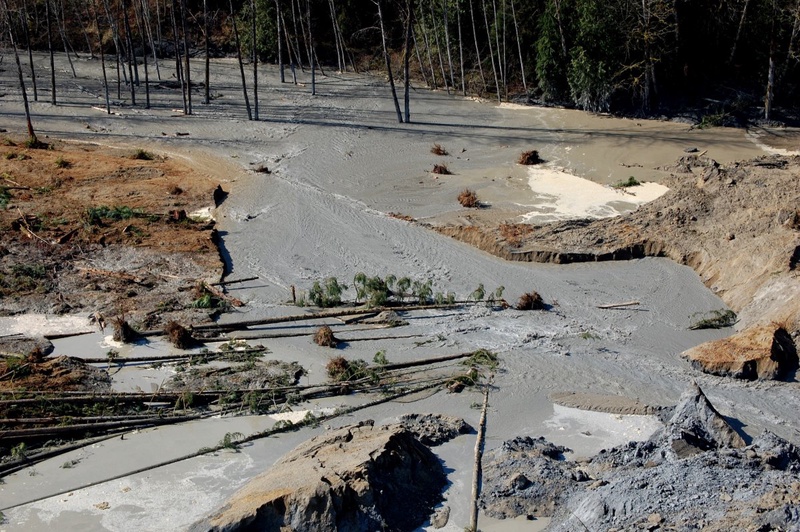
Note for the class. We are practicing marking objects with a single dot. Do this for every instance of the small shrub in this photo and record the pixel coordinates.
(467, 198)
(5, 141)
(142, 155)
(630, 182)
(529, 157)
(62, 163)
(175, 190)
(230, 441)
(340, 369)
(34, 143)
(530, 301)
(441, 169)
(179, 335)
(380, 358)
(327, 294)
(438, 149)
(19, 451)
(324, 337)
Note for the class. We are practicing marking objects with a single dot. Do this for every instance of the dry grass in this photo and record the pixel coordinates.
(468, 198)
(179, 336)
(530, 301)
(441, 169)
(529, 157)
(438, 149)
(514, 233)
(401, 216)
(324, 337)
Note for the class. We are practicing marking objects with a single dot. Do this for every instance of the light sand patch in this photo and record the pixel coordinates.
(44, 325)
(563, 196)
(586, 433)
(299, 415)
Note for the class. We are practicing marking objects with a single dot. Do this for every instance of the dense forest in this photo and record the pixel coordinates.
(729, 60)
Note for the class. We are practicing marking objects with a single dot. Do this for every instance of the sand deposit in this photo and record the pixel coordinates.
(339, 164)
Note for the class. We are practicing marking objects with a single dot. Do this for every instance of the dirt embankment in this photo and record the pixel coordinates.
(96, 229)
(737, 226)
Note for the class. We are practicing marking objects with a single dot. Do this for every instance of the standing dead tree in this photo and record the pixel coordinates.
(25, 26)
(254, 16)
(388, 63)
(96, 9)
(239, 57)
(32, 140)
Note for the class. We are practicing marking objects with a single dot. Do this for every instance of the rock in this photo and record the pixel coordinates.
(526, 476)
(435, 429)
(38, 346)
(349, 479)
(758, 352)
(696, 426)
(441, 517)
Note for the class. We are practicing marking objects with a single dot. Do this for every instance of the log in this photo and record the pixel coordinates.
(84, 427)
(225, 283)
(619, 305)
(221, 295)
(477, 475)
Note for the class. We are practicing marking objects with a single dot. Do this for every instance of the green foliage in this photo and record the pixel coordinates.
(716, 319)
(423, 292)
(19, 451)
(478, 294)
(630, 182)
(230, 441)
(550, 52)
(95, 215)
(380, 358)
(589, 81)
(18, 366)
(5, 197)
(328, 294)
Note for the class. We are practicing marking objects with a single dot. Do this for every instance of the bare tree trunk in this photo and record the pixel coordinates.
(419, 57)
(499, 55)
(139, 19)
(241, 64)
(519, 48)
(388, 64)
(306, 33)
(461, 51)
(206, 93)
(491, 52)
(187, 73)
(738, 30)
(50, 49)
(770, 84)
(423, 27)
(438, 47)
(557, 4)
(253, 14)
(339, 54)
(149, 29)
(30, 50)
(63, 31)
(447, 44)
(115, 36)
(102, 54)
(131, 56)
(289, 49)
(278, 29)
(311, 54)
(477, 47)
(32, 140)
(407, 59)
(178, 67)
(297, 53)
(83, 26)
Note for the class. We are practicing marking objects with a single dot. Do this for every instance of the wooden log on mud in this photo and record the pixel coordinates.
(216, 292)
(19, 434)
(235, 281)
(477, 472)
(619, 305)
